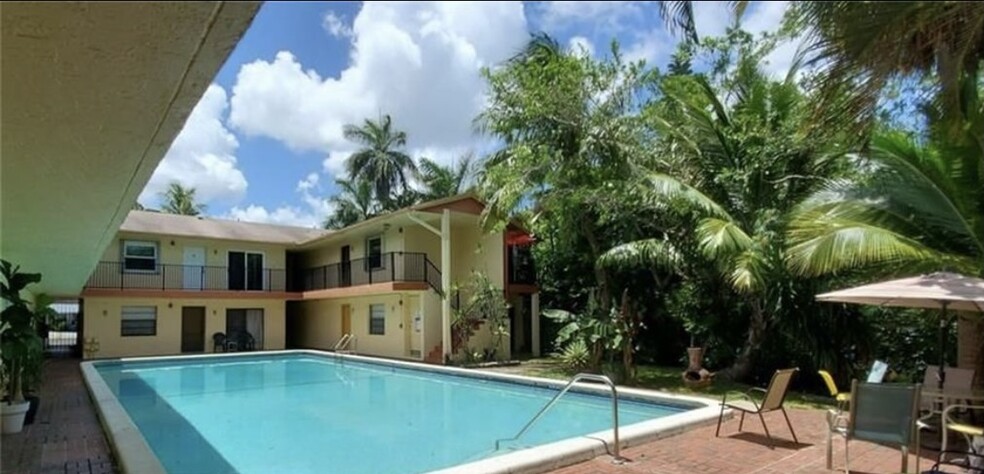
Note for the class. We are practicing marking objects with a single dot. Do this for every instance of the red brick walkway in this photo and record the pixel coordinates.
(66, 436)
(698, 451)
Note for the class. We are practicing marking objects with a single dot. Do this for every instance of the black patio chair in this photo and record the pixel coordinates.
(218, 342)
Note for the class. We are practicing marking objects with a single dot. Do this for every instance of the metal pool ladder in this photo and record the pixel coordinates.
(618, 459)
(343, 343)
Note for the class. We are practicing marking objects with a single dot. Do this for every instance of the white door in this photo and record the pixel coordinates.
(194, 268)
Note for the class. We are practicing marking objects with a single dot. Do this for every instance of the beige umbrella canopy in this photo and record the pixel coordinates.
(942, 290)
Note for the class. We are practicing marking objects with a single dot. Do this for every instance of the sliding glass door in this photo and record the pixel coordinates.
(245, 320)
(246, 271)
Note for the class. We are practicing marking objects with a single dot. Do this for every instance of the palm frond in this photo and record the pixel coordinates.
(719, 237)
(648, 253)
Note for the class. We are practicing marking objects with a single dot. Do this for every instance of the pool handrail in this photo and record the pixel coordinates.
(617, 457)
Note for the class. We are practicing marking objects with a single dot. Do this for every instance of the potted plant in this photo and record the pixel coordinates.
(20, 345)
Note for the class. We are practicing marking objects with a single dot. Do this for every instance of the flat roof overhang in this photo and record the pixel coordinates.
(91, 97)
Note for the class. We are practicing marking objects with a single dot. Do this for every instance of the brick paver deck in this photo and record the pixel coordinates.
(698, 451)
(67, 438)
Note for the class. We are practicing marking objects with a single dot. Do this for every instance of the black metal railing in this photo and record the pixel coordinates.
(186, 277)
(387, 267)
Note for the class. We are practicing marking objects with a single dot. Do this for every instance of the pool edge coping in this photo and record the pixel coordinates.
(125, 440)
(135, 455)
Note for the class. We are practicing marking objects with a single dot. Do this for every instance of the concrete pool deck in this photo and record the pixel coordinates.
(67, 438)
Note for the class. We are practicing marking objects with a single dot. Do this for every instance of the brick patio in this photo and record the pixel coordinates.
(67, 438)
(698, 451)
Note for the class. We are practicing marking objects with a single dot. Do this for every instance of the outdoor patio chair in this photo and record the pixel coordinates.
(957, 462)
(880, 413)
(842, 398)
(218, 342)
(772, 400)
(965, 427)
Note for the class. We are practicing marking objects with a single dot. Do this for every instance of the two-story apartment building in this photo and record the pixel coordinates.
(168, 284)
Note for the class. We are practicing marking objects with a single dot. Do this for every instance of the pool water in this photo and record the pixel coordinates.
(310, 414)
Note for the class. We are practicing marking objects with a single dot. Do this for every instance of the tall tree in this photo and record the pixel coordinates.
(442, 181)
(738, 153)
(181, 200)
(353, 203)
(568, 130)
(381, 160)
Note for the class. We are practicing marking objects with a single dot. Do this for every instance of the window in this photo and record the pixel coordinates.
(138, 321)
(246, 271)
(139, 256)
(374, 252)
(377, 319)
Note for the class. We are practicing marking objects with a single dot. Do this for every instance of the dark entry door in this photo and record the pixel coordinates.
(192, 329)
(345, 279)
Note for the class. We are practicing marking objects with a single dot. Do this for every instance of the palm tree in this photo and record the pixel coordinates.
(919, 207)
(181, 200)
(445, 181)
(865, 44)
(679, 17)
(353, 203)
(738, 156)
(380, 161)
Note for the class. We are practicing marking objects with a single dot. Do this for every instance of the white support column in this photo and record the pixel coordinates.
(446, 284)
(535, 323)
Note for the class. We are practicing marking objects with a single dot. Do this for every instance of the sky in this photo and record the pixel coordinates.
(265, 144)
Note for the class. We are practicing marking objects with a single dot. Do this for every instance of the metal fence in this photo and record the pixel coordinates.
(186, 277)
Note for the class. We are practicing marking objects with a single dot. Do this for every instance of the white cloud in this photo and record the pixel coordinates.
(608, 16)
(764, 16)
(418, 62)
(712, 18)
(581, 45)
(336, 25)
(285, 215)
(202, 156)
(309, 189)
(652, 47)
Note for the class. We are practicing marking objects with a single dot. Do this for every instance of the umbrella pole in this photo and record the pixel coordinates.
(944, 323)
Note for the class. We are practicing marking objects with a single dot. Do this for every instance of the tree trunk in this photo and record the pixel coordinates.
(757, 326)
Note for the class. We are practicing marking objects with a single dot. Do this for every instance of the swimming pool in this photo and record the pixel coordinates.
(306, 411)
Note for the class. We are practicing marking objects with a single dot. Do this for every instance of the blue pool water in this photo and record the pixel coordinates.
(310, 414)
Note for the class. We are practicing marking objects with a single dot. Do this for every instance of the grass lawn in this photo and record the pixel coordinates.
(666, 379)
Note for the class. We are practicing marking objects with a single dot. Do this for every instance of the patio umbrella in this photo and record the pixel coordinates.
(942, 290)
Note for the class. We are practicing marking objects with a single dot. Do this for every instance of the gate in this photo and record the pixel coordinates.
(61, 331)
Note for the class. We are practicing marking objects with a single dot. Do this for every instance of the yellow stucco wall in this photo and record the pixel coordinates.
(216, 251)
(320, 324)
(329, 250)
(102, 321)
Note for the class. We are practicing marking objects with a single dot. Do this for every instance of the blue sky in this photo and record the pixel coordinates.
(264, 143)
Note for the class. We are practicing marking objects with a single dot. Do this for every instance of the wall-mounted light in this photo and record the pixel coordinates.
(105, 313)
(170, 305)
(400, 230)
(401, 302)
(172, 243)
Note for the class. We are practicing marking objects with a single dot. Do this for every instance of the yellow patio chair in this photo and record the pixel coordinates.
(842, 398)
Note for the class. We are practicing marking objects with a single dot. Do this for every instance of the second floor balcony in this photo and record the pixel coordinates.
(381, 268)
(168, 277)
